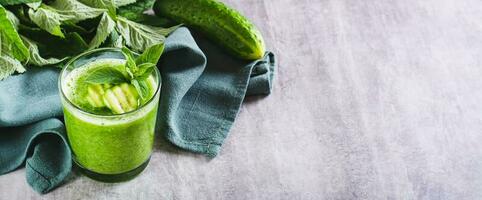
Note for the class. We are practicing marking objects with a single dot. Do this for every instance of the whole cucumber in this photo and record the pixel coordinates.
(222, 24)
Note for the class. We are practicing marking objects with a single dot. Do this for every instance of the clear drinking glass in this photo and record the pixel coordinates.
(114, 147)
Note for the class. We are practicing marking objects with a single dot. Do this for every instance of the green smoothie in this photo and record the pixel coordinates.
(109, 127)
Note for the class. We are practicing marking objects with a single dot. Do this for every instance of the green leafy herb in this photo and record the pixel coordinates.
(142, 67)
(9, 65)
(151, 55)
(156, 21)
(141, 87)
(21, 13)
(13, 19)
(41, 33)
(71, 45)
(106, 75)
(138, 36)
(10, 42)
(114, 40)
(145, 70)
(119, 42)
(146, 61)
(12, 49)
(135, 10)
(15, 2)
(131, 66)
(105, 4)
(71, 27)
(136, 70)
(35, 5)
(48, 20)
(35, 57)
(105, 28)
(119, 3)
(50, 17)
(76, 10)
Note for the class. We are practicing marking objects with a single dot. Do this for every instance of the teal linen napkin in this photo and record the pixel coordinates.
(199, 100)
(201, 94)
(42, 147)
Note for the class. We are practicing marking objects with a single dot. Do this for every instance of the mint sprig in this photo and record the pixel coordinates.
(136, 70)
(106, 75)
(140, 68)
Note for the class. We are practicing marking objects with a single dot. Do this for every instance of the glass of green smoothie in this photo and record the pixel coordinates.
(110, 128)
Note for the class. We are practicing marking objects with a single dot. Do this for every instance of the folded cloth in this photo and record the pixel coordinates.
(199, 100)
(202, 90)
(43, 148)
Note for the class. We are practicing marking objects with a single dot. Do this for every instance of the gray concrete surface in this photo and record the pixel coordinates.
(373, 100)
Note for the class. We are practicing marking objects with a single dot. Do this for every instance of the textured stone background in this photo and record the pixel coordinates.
(373, 100)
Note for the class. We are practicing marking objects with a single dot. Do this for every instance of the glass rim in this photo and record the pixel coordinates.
(158, 74)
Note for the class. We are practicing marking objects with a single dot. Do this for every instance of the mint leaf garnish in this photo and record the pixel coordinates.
(141, 88)
(141, 68)
(130, 66)
(151, 54)
(106, 75)
(145, 69)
